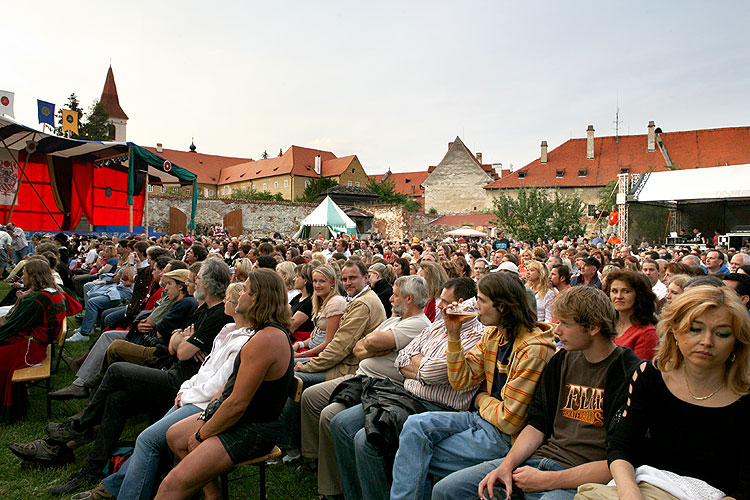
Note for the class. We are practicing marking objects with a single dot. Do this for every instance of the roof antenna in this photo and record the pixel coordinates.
(617, 120)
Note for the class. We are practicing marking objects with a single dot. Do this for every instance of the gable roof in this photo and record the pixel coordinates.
(109, 99)
(206, 167)
(458, 146)
(335, 166)
(408, 183)
(686, 149)
(295, 160)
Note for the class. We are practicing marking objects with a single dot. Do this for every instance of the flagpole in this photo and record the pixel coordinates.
(145, 207)
(130, 207)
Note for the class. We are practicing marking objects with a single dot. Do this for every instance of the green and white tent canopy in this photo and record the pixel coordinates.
(327, 219)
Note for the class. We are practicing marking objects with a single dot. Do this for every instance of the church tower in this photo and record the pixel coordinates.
(118, 120)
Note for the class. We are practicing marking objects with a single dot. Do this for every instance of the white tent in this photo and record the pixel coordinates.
(326, 219)
(466, 231)
(696, 185)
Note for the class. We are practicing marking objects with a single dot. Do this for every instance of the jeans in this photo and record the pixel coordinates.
(135, 480)
(18, 255)
(112, 317)
(291, 415)
(121, 395)
(93, 306)
(354, 454)
(462, 485)
(440, 443)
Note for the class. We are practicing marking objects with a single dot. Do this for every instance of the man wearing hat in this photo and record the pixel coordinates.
(588, 275)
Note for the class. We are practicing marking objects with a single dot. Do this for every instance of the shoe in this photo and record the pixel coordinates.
(291, 456)
(78, 336)
(70, 362)
(70, 392)
(98, 493)
(40, 451)
(77, 481)
(65, 432)
(79, 316)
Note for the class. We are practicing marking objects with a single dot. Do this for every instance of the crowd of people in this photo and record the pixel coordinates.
(579, 371)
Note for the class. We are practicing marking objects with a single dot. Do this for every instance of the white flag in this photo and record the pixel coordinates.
(6, 103)
(8, 178)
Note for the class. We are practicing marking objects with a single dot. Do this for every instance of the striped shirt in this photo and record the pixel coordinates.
(432, 377)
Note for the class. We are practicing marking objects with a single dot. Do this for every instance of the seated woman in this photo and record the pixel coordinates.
(30, 326)
(301, 304)
(685, 422)
(243, 422)
(435, 276)
(328, 307)
(378, 279)
(635, 303)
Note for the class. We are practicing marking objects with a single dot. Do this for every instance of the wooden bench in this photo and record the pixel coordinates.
(295, 394)
(42, 372)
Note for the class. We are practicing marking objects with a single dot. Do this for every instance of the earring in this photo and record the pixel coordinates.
(732, 358)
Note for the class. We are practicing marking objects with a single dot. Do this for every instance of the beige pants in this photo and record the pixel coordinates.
(316, 433)
(122, 350)
(593, 491)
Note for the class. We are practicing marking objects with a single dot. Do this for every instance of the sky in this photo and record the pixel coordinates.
(390, 81)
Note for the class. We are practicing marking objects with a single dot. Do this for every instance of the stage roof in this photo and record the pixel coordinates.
(699, 185)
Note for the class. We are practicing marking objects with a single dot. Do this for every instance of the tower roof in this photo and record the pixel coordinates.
(109, 98)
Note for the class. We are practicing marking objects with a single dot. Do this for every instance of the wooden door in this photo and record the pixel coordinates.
(177, 221)
(233, 223)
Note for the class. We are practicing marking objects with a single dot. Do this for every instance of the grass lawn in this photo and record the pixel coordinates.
(27, 484)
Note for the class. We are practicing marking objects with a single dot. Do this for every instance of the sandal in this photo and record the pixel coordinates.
(42, 452)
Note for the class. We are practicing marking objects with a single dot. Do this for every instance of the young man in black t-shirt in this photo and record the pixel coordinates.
(575, 404)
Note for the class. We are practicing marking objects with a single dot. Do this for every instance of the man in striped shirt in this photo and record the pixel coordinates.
(423, 364)
(507, 361)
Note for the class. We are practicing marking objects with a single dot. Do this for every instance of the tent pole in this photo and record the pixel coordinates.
(130, 207)
(145, 208)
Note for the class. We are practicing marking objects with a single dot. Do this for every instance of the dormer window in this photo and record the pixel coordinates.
(624, 170)
(521, 175)
(582, 173)
(559, 173)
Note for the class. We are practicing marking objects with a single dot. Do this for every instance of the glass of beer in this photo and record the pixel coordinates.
(463, 310)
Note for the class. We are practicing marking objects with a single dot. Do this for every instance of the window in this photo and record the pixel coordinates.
(276, 185)
(205, 191)
(624, 170)
(559, 173)
(307, 184)
(582, 173)
(187, 191)
(150, 188)
(265, 187)
(163, 189)
(352, 170)
(349, 183)
(521, 175)
(244, 188)
(592, 210)
(356, 184)
(286, 183)
(210, 192)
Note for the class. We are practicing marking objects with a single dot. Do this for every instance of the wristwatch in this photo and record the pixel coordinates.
(198, 436)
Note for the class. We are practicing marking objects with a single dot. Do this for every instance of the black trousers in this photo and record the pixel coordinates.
(127, 389)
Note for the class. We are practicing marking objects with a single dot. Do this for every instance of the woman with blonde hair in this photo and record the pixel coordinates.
(328, 307)
(685, 420)
(675, 286)
(537, 278)
(287, 272)
(435, 276)
(242, 269)
(523, 258)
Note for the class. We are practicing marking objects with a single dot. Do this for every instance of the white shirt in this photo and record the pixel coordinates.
(660, 290)
(216, 368)
(5, 240)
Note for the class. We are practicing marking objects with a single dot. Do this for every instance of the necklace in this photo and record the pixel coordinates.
(702, 398)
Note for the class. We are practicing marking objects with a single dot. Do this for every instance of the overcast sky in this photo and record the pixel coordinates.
(390, 81)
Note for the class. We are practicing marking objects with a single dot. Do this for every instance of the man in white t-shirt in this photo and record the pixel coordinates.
(377, 353)
(18, 242)
(651, 269)
(5, 244)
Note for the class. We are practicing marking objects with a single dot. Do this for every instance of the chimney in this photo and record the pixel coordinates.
(318, 165)
(651, 136)
(479, 157)
(498, 168)
(160, 149)
(590, 142)
(450, 144)
(543, 159)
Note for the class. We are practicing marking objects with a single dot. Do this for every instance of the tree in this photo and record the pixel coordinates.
(433, 210)
(257, 196)
(386, 190)
(316, 187)
(92, 127)
(535, 215)
(264, 156)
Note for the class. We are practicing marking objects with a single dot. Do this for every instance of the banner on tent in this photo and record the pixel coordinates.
(8, 178)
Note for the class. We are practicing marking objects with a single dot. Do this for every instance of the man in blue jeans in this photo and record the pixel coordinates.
(574, 406)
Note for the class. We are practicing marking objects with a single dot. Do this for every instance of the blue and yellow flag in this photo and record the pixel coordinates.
(46, 112)
(70, 121)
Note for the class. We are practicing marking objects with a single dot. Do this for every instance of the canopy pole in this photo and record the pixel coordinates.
(145, 208)
(130, 207)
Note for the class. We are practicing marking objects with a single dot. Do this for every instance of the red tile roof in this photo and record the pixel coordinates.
(206, 167)
(336, 166)
(296, 160)
(466, 220)
(689, 149)
(408, 183)
(109, 97)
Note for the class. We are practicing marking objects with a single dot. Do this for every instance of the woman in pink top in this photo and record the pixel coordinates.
(635, 303)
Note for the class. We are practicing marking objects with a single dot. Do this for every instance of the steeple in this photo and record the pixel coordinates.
(111, 102)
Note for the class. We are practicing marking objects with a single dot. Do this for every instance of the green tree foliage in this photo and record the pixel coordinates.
(243, 194)
(605, 203)
(433, 210)
(387, 192)
(536, 214)
(316, 187)
(91, 127)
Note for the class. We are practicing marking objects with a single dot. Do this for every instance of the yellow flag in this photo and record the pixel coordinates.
(70, 121)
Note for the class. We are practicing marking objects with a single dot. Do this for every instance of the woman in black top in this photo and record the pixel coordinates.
(243, 422)
(688, 411)
(301, 304)
(377, 277)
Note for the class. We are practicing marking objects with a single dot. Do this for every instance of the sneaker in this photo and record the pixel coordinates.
(65, 432)
(291, 456)
(77, 481)
(98, 493)
(78, 336)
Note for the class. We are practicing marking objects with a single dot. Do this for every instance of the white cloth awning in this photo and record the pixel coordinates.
(697, 185)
